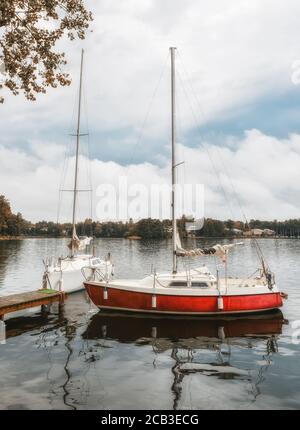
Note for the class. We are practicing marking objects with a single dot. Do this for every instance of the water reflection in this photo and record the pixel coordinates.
(189, 339)
(86, 360)
(54, 330)
(133, 328)
(96, 361)
(9, 251)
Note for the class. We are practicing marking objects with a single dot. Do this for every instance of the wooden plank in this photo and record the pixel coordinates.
(17, 302)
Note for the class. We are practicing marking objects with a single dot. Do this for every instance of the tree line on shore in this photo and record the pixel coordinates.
(13, 225)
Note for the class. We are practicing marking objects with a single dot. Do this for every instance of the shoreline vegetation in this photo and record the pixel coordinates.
(137, 238)
(15, 227)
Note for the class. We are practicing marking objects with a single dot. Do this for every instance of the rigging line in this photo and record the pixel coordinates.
(258, 248)
(90, 195)
(84, 154)
(145, 120)
(218, 149)
(62, 179)
(58, 207)
(228, 177)
(198, 127)
(204, 118)
(68, 213)
(90, 181)
(190, 84)
(180, 173)
(65, 161)
(89, 172)
(232, 185)
(88, 156)
(206, 148)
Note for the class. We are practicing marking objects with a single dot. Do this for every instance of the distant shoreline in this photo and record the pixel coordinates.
(137, 238)
(11, 238)
(3, 238)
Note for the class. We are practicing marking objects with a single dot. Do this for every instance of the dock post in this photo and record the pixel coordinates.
(62, 297)
(61, 302)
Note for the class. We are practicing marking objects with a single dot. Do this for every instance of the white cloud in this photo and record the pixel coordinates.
(235, 52)
(264, 174)
(53, 153)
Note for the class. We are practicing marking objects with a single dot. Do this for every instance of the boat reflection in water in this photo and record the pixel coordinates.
(129, 328)
(189, 340)
(105, 360)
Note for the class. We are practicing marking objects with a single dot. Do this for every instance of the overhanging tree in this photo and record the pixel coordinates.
(29, 32)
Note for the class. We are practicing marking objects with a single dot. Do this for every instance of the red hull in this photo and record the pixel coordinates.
(142, 302)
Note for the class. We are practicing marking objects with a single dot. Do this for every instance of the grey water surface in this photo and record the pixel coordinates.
(74, 357)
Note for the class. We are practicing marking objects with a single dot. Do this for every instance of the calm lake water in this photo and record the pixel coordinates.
(74, 357)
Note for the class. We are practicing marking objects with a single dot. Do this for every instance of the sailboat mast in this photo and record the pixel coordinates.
(173, 121)
(77, 157)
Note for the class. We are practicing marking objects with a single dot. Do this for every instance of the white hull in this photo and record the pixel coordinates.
(69, 274)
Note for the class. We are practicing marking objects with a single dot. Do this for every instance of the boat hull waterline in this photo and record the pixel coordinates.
(108, 298)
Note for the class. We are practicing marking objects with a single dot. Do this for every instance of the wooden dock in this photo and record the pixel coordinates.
(18, 302)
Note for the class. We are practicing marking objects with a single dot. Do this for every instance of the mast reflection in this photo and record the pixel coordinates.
(187, 339)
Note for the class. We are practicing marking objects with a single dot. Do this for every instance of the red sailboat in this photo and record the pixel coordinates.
(189, 292)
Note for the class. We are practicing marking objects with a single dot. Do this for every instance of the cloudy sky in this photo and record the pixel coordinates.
(238, 105)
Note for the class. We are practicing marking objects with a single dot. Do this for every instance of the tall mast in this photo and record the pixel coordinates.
(77, 157)
(173, 120)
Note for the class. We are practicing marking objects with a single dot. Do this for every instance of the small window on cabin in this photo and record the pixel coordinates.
(178, 284)
(200, 284)
(95, 261)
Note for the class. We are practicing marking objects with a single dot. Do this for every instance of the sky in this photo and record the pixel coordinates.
(238, 109)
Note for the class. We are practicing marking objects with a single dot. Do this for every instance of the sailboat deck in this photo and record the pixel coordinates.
(167, 286)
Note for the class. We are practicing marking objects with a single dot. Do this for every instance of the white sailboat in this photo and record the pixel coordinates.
(193, 291)
(67, 274)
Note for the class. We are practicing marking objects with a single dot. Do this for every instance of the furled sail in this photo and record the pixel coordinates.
(79, 244)
(217, 250)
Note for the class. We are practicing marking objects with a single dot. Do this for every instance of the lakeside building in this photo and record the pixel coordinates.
(257, 232)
